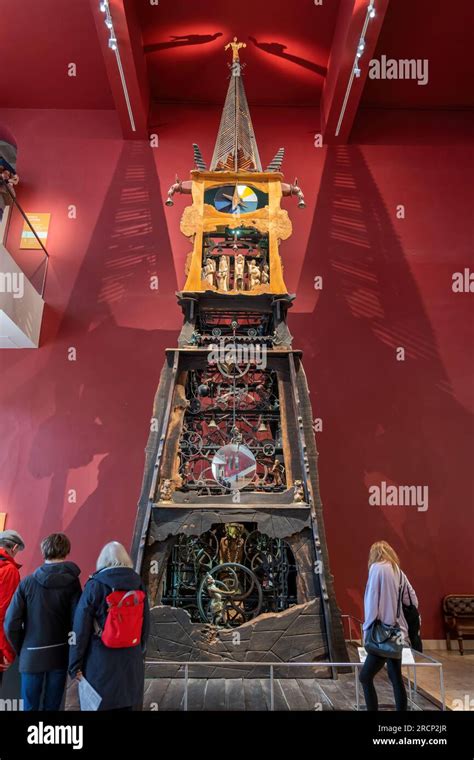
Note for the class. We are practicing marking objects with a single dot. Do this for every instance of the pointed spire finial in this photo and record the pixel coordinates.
(235, 45)
(236, 147)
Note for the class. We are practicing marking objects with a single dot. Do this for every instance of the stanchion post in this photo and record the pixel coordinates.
(186, 681)
(272, 694)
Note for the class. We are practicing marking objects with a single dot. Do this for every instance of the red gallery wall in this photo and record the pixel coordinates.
(83, 424)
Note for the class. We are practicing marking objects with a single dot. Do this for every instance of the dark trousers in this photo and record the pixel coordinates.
(32, 684)
(371, 667)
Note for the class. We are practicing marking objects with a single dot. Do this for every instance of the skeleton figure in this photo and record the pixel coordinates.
(217, 603)
(254, 275)
(209, 271)
(265, 275)
(239, 271)
(223, 274)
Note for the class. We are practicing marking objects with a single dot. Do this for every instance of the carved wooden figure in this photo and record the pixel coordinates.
(254, 274)
(209, 271)
(223, 274)
(239, 271)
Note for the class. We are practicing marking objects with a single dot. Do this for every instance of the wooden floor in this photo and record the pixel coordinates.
(289, 693)
(254, 694)
(243, 694)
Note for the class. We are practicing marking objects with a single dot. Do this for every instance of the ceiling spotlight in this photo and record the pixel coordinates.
(361, 46)
(356, 71)
(371, 11)
(108, 23)
(103, 5)
(113, 43)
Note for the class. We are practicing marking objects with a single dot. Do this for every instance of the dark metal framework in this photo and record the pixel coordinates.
(264, 579)
(218, 406)
(250, 325)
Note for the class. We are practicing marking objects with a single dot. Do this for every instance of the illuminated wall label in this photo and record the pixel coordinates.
(40, 223)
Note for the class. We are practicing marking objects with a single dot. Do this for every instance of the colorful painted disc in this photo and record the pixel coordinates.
(236, 199)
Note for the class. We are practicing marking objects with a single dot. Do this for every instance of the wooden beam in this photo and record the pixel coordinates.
(126, 67)
(342, 90)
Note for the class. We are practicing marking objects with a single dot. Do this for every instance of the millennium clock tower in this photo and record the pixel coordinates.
(229, 534)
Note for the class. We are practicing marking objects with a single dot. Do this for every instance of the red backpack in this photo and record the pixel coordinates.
(124, 621)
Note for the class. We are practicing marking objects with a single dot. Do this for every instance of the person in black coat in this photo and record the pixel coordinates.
(38, 623)
(117, 675)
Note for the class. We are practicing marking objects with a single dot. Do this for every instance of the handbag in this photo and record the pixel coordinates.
(412, 616)
(385, 640)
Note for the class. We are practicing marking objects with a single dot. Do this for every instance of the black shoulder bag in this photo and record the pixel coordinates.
(385, 640)
(412, 616)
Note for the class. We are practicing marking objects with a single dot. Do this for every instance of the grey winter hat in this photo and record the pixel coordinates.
(11, 537)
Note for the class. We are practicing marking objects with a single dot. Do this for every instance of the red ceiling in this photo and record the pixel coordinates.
(288, 45)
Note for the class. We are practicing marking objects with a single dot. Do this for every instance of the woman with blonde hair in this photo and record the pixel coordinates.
(385, 626)
(110, 631)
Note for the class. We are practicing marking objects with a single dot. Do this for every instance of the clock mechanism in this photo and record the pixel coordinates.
(236, 199)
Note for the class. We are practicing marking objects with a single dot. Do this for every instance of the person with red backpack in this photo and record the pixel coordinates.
(10, 544)
(110, 631)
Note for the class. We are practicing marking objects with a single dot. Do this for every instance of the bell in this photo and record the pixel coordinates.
(262, 428)
(213, 423)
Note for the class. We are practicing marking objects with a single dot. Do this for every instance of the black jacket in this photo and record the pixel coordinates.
(39, 619)
(116, 674)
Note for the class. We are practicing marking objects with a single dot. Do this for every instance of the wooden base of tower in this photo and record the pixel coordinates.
(310, 629)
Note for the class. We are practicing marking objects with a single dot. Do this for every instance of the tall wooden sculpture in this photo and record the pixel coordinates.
(229, 534)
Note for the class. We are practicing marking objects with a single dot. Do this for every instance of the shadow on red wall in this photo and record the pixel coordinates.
(383, 419)
(88, 444)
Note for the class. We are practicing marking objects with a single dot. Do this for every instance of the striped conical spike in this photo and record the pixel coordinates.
(198, 159)
(275, 164)
(236, 147)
